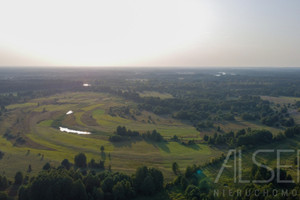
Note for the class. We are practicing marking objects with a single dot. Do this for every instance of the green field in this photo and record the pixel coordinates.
(156, 94)
(32, 120)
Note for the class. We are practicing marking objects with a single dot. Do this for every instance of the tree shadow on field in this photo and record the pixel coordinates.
(126, 143)
(193, 146)
(161, 145)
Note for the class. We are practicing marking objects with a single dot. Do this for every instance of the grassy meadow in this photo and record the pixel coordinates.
(32, 121)
(44, 143)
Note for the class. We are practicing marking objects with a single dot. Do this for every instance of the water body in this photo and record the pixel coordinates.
(220, 74)
(69, 112)
(62, 129)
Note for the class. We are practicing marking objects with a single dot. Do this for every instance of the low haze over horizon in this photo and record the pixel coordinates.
(150, 33)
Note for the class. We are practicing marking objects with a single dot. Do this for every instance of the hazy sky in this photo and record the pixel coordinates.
(150, 33)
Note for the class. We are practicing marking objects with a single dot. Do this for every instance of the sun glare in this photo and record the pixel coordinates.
(104, 32)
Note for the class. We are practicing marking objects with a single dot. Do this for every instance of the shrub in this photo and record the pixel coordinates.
(46, 166)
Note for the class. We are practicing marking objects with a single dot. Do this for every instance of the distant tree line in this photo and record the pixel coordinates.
(123, 134)
(188, 142)
(248, 137)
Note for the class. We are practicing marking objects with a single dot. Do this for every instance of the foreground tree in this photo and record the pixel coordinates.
(148, 180)
(53, 185)
(3, 196)
(66, 164)
(29, 169)
(3, 183)
(80, 160)
(18, 178)
(102, 149)
(175, 168)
